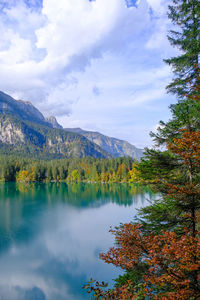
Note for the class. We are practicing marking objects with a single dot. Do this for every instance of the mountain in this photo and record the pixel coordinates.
(116, 147)
(24, 131)
(22, 109)
(52, 120)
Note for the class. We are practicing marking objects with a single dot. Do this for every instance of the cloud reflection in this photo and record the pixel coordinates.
(51, 236)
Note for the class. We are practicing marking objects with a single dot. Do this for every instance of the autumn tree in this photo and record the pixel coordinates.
(161, 254)
(168, 265)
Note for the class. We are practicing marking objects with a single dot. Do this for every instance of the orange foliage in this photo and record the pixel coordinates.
(187, 146)
(173, 263)
(173, 260)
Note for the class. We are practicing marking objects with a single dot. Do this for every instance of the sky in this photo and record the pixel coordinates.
(94, 64)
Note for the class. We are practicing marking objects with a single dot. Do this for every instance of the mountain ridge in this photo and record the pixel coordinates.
(23, 129)
(23, 126)
(23, 109)
(116, 147)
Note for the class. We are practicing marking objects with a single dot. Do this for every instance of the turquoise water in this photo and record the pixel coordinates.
(51, 236)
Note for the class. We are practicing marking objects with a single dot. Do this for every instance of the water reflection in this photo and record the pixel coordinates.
(51, 236)
(77, 194)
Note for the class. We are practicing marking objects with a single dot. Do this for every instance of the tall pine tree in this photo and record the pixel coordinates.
(185, 15)
(161, 254)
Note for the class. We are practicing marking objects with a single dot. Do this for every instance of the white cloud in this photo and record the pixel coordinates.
(158, 5)
(74, 27)
(18, 52)
(45, 46)
(48, 55)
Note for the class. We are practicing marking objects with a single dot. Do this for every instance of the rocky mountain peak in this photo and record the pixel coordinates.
(52, 120)
(23, 109)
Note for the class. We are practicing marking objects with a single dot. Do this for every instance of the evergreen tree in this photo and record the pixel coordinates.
(171, 224)
(185, 114)
(185, 15)
(49, 172)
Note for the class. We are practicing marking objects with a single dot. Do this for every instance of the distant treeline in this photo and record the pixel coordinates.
(72, 170)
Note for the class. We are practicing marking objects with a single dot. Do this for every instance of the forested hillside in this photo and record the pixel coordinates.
(25, 132)
(26, 138)
(115, 147)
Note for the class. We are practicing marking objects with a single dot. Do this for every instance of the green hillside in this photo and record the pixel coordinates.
(25, 132)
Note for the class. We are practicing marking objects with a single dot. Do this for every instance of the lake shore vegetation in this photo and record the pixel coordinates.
(70, 170)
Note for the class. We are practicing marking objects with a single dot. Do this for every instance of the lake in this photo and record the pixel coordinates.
(51, 236)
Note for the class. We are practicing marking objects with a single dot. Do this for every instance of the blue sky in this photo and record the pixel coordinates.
(97, 65)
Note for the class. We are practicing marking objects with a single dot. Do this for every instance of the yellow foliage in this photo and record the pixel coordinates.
(134, 174)
(23, 176)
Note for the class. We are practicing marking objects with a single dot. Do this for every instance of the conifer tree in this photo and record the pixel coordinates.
(185, 15)
(166, 237)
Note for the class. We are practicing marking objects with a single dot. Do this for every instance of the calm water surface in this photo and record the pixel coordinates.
(51, 236)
